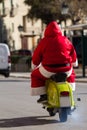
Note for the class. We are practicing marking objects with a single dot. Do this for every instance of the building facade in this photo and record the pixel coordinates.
(18, 31)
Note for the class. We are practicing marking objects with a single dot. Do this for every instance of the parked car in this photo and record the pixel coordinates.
(5, 60)
(21, 52)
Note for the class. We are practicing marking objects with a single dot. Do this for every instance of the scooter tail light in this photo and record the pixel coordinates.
(64, 93)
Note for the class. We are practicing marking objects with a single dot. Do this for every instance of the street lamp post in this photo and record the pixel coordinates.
(64, 12)
(20, 28)
(65, 8)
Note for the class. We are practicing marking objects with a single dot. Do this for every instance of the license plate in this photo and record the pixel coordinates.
(65, 102)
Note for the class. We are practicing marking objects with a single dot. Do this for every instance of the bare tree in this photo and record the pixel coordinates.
(1, 1)
(48, 10)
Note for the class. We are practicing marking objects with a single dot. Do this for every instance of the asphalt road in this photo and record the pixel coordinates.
(20, 111)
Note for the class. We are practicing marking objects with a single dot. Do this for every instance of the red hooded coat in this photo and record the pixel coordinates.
(53, 49)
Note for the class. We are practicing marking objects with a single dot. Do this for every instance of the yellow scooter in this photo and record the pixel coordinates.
(59, 96)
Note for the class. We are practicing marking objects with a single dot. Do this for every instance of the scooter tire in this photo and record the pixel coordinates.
(63, 114)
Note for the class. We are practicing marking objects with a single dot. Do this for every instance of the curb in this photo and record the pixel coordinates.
(79, 78)
(20, 75)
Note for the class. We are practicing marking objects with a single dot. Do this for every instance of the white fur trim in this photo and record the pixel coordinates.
(44, 72)
(75, 64)
(33, 66)
(47, 74)
(73, 86)
(38, 91)
(69, 72)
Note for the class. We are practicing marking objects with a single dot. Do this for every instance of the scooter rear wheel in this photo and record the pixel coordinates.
(63, 113)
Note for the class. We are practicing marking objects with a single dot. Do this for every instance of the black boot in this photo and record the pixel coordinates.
(42, 99)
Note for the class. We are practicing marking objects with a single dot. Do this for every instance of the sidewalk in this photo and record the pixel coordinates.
(20, 74)
(79, 75)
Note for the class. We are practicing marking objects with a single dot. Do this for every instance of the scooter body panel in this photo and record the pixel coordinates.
(54, 90)
(59, 98)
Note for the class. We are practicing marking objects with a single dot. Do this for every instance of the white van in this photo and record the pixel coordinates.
(5, 60)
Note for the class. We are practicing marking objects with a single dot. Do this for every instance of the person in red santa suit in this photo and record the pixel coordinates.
(54, 53)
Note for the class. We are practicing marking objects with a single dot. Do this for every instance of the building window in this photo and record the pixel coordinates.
(12, 27)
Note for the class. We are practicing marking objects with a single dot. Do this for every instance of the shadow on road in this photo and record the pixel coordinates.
(26, 121)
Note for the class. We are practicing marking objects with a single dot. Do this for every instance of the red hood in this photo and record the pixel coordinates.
(52, 30)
